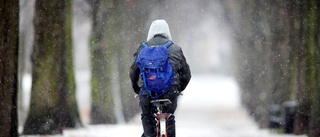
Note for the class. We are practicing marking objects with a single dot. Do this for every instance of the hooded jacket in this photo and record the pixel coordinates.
(159, 34)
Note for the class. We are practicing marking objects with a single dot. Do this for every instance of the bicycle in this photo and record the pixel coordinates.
(161, 118)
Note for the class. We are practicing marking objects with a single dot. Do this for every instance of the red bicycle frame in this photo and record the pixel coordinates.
(161, 118)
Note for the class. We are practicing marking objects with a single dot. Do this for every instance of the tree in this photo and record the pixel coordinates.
(307, 78)
(102, 100)
(53, 105)
(132, 20)
(116, 25)
(314, 40)
(9, 29)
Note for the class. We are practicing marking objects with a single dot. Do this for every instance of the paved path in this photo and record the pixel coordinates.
(210, 107)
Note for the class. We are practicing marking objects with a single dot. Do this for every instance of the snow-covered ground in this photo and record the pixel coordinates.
(209, 107)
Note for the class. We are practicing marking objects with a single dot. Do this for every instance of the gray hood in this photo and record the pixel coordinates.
(159, 27)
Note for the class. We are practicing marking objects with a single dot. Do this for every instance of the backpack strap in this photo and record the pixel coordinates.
(144, 85)
(144, 44)
(168, 43)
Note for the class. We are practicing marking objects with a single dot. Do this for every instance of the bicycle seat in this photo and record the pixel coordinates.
(161, 101)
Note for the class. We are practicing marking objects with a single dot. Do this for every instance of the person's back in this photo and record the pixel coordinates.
(159, 34)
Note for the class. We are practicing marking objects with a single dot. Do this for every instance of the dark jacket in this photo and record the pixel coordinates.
(177, 60)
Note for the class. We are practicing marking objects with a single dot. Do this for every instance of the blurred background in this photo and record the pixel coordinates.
(262, 56)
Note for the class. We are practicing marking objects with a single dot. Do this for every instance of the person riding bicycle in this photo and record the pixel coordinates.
(159, 34)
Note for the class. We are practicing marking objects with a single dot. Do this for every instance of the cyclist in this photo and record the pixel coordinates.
(159, 34)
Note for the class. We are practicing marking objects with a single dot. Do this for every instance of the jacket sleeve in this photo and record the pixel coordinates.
(184, 72)
(134, 76)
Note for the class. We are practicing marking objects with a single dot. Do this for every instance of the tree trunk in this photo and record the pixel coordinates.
(102, 101)
(294, 42)
(314, 123)
(113, 99)
(133, 19)
(307, 71)
(114, 47)
(53, 105)
(9, 29)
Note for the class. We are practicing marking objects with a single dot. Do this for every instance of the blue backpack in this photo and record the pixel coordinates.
(155, 69)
